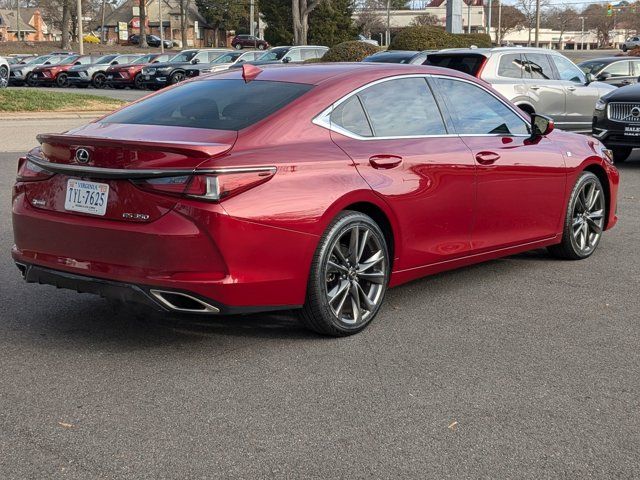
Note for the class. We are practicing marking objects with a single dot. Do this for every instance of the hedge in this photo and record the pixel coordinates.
(435, 38)
(353, 51)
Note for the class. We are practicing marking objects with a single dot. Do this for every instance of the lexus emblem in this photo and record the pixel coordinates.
(635, 112)
(82, 155)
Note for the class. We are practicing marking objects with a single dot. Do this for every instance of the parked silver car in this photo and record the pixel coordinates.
(537, 80)
(4, 73)
(630, 43)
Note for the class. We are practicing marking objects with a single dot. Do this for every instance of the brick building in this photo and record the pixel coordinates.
(32, 26)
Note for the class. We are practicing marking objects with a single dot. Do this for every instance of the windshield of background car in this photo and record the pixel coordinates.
(592, 67)
(228, 58)
(275, 54)
(184, 57)
(105, 59)
(214, 104)
(56, 60)
(144, 59)
(69, 59)
(38, 60)
(463, 63)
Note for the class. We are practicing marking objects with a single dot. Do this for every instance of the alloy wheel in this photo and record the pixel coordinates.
(587, 217)
(356, 275)
(177, 77)
(4, 77)
(99, 80)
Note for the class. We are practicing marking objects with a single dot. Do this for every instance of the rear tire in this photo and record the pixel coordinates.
(261, 46)
(30, 80)
(62, 81)
(99, 80)
(584, 219)
(238, 47)
(624, 48)
(348, 277)
(620, 154)
(4, 77)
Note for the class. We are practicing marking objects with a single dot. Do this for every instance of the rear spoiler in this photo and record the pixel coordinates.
(189, 149)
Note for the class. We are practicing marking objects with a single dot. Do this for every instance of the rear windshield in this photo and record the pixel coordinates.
(215, 104)
(463, 63)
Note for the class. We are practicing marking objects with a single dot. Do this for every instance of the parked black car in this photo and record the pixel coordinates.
(152, 41)
(616, 121)
(399, 56)
(618, 71)
(162, 74)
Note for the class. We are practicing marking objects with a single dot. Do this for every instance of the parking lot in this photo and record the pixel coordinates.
(524, 367)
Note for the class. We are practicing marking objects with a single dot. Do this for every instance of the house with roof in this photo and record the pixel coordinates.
(30, 25)
(199, 32)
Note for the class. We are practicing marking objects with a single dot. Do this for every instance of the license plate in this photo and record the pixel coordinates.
(147, 77)
(86, 197)
(110, 77)
(632, 131)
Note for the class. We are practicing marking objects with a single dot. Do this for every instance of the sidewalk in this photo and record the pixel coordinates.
(19, 134)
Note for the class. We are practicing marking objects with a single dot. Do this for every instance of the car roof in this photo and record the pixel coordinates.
(489, 51)
(608, 59)
(395, 53)
(317, 73)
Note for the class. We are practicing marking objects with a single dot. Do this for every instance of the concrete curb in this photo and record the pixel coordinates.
(50, 115)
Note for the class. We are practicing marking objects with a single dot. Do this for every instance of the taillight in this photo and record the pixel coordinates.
(214, 186)
(29, 171)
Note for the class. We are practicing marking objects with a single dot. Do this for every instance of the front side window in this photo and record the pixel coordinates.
(618, 69)
(274, 54)
(402, 107)
(511, 66)
(474, 111)
(538, 67)
(567, 70)
(105, 59)
(220, 104)
(294, 55)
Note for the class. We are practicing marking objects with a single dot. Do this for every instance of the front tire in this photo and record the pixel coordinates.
(238, 47)
(624, 48)
(348, 278)
(620, 154)
(584, 219)
(176, 78)
(138, 82)
(62, 81)
(30, 80)
(99, 80)
(4, 77)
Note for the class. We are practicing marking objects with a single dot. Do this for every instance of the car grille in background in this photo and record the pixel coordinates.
(624, 112)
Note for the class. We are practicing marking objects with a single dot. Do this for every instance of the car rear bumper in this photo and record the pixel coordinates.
(194, 249)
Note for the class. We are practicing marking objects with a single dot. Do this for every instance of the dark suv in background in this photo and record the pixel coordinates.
(160, 75)
(617, 71)
(248, 41)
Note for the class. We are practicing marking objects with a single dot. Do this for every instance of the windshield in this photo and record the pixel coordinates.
(227, 58)
(274, 54)
(213, 104)
(55, 60)
(39, 60)
(389, 58)
(105, 59)
(144, 59)
(184, 57)
(592, 67)
(68, 59)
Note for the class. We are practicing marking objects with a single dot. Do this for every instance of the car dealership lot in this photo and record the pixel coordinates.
(525, 367)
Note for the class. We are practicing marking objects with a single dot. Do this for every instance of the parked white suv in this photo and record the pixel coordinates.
(4, 72)
(537, 80)
(630, 43)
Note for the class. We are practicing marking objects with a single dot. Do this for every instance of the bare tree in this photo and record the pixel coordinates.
(143, 28)
(425, 20)
(301, 10)
(184, 9)
(528, 9)
(64, 25)
(596, 19)
(562, 19)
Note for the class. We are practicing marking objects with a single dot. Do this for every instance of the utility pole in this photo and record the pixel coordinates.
(498, 32)
(469, 17)
(582, 35)
(537, 37)
(387, 37)
(102, 40)
(80, 39)
(252, 27)
(161, 26)
(18, 17)
(489, 20)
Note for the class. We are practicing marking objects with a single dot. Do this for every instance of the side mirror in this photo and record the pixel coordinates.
(541, 125)
(286, 59)
(195, 61)
(114, 63)
(77, 63)
(590, 78)
(47, 63)
(603, 76)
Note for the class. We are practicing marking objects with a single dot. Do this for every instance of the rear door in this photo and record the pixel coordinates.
(545, 92)
(580, 98)
(395, 134)
(520, 181)
(618, 73)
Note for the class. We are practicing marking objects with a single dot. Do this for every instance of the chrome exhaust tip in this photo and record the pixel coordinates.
(182, 302)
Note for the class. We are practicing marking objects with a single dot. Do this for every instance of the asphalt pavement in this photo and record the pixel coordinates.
(125, 94)
(524, 368)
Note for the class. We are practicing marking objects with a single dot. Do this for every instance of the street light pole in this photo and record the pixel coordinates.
(387, 38)
(80, 39)
(489, 20)
(18, 17)
(498, 32)
(582, 35)
(537, 37)
(161, 26)
(102, 40)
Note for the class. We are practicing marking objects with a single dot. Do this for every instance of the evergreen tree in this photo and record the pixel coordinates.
(330, 23)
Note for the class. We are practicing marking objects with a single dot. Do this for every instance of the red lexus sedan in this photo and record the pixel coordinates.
(314, 187)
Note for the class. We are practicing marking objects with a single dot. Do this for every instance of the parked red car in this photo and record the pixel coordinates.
(121, 76)
(56, 74)
(312, 187)
(249, 41)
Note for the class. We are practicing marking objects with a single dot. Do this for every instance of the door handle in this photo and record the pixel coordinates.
(383, 162)
(571, 89)
(534, 87)
(487, 158)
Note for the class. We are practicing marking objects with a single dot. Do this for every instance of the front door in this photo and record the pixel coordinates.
(544, 91)
(520, 183)
(395, 134)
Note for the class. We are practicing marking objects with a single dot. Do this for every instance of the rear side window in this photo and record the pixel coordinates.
(215, 104)
(402, 107)
(511, 66)
(350, 116)
(538, 67)
(470, 64)
(618, 69)
(474, 111)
